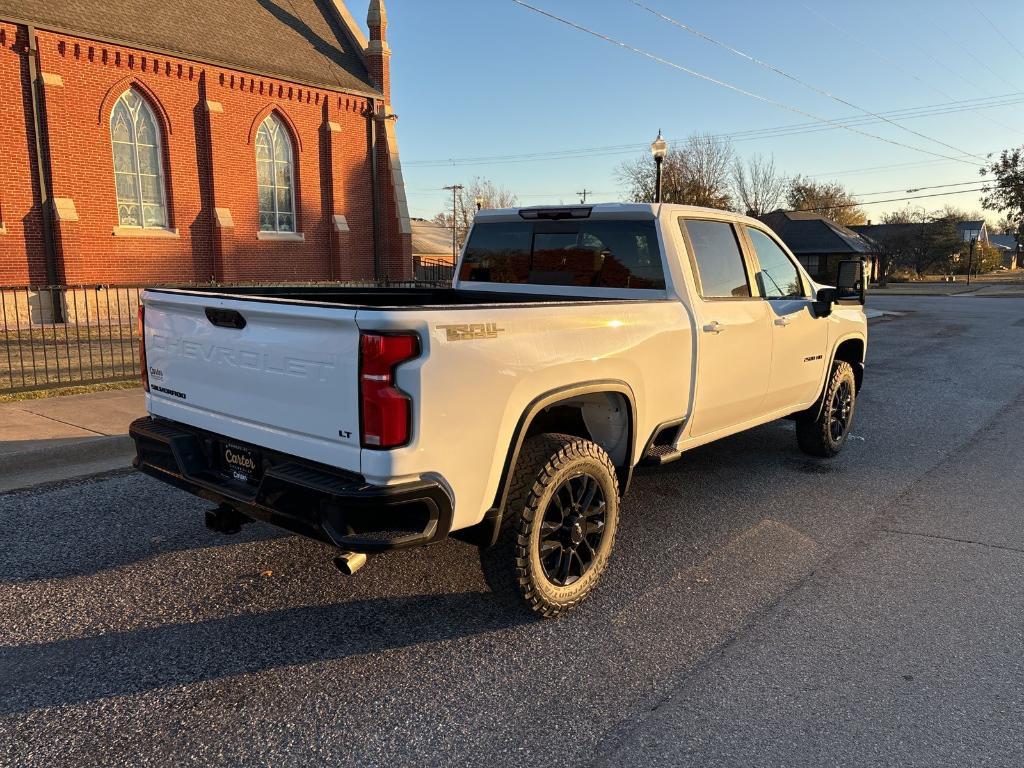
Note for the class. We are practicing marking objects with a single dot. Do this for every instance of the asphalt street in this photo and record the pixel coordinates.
(762, 607)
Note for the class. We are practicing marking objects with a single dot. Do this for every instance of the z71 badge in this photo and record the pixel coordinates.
(467, 331)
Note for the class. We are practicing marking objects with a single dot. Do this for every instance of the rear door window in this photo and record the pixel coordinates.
(718, 259)
(597, 253)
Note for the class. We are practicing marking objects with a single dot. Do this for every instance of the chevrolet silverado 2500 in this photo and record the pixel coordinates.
(510, 409)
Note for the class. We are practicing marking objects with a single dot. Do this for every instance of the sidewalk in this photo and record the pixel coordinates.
(960, 288)
(58, 438)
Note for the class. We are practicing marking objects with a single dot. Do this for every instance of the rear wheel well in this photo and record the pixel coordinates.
(852, 352)
(604, 417)
(601, 417)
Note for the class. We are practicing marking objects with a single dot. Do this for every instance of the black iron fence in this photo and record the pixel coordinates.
(67, 335)
(71, 335)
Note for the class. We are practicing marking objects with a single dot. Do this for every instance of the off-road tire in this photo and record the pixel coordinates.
(512, 566)
(816, 431)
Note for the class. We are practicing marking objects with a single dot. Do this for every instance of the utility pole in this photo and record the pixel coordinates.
(455, 189)
(970, 259)
(584, 194)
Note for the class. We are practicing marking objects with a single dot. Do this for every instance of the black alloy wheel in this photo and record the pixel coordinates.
(558, 528)
(572, 529)
(840, 410)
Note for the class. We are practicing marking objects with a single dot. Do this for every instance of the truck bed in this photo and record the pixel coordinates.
(385, 298)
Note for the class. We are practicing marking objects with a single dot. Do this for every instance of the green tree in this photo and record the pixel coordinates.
(829, 198)
(1006, 192)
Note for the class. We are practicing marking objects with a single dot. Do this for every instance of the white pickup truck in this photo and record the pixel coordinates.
(508, 410)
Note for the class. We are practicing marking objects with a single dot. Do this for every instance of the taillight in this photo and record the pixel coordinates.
(386, 410)
(142, 347)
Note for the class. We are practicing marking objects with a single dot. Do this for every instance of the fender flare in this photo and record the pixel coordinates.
(486, 531)
(819, 401)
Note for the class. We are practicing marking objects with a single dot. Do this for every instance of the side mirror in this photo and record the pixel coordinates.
(823, 301)
(851, 287)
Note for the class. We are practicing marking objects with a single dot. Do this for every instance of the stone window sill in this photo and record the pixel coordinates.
(282, 237)
(3, 228)
(146, 232)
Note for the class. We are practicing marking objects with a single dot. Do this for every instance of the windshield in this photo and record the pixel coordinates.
(608, 254)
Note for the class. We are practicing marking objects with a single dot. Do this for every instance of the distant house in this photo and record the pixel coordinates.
(973, 230)
(432, 252)
(966, 231)
(1007, 245)
(820, 243)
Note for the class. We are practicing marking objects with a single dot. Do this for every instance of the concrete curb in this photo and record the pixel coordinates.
(65, 461)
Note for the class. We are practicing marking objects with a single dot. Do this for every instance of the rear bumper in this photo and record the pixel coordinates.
(304, 497)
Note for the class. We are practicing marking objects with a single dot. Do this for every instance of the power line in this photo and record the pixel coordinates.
(781, 131)
(728, 86)
(827, 207)
(794, 78)
(999, 32)
(918, 189)
(891, 200)
(968, 51)
(902, 67)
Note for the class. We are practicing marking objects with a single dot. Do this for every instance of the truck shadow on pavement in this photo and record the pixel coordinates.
(149, 520)
(77, 671)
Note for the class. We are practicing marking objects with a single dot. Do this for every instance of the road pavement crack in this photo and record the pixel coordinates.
(950, 538)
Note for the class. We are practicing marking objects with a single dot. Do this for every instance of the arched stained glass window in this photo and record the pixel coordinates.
(138, 170)
(275, 176)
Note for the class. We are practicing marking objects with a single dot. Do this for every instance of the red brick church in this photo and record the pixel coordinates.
(197, 140)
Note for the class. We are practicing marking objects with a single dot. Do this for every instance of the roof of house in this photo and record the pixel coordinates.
(811, 233)
(304, 41)
(970, 226)
(885, 231)
(430, 239)
(1003, 241)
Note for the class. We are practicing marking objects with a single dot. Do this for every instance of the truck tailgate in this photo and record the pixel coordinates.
(287, 380)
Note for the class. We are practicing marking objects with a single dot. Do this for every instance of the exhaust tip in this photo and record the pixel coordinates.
(350, 562)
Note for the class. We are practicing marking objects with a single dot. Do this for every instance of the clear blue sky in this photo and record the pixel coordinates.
(490, 78)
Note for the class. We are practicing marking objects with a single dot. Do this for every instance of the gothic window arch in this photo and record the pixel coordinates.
(275, 176)
(138, 165)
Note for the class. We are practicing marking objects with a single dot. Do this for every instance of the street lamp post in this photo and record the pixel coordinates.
(659, 148)
(970, 259)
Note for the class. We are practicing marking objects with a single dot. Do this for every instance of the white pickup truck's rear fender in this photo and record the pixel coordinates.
(481, 368)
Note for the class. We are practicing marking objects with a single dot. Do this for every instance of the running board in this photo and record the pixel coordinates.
(661, 454)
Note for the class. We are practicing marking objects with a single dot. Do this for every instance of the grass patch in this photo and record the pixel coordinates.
(38, 394)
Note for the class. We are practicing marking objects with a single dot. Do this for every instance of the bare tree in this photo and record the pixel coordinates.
(757, 185)
(695, 173)
(487, 192)
(829, 198)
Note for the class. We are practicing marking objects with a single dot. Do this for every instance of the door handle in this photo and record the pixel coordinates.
(783, 321)
(714, 327)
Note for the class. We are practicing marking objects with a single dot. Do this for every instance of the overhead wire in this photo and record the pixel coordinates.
(998, 31)
(793, 78)
(781, 131)
(902, 68)
(726, 85)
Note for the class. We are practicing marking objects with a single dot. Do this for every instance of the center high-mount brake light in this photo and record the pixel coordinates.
(386, 410)
(575, 212)
(143, 365)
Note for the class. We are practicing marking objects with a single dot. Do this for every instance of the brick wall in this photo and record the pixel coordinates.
(21, 240)
(208, 117)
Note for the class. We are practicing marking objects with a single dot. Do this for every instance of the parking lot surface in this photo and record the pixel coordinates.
(761, 607)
